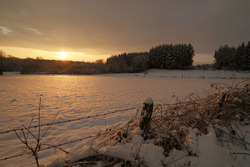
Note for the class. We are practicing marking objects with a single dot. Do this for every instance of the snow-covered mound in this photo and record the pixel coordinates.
(212, 131)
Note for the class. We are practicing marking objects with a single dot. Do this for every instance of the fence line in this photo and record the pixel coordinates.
(49, 147)
(58, 145)
(78, 119)
(82, 118)
(66, 121)
(70, 120)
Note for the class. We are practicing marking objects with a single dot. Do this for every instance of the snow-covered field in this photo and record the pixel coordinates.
(189, 74)
(80, 96)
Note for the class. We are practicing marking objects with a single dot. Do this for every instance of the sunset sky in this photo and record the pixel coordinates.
(88, 30)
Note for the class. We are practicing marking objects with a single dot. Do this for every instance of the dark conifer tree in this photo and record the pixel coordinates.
(246, 57)
(237, 61)
(178, 56)
(231, 58)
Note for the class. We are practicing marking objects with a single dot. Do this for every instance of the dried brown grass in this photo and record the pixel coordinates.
(223, 110)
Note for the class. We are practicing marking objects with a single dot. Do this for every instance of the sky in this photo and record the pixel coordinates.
(88, 30)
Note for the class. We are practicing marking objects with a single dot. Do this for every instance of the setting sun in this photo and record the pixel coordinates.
(63, 55)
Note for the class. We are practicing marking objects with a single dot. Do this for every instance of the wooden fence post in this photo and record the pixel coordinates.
(146, 114)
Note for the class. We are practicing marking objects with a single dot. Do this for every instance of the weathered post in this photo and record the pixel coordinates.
(146, 114)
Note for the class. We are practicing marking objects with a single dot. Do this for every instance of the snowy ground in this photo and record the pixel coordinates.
(80, 96)
(188, 74)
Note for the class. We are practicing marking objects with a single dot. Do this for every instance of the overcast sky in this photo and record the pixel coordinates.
(94, 29)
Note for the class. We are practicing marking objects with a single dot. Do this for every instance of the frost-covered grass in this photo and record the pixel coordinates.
(80, 96)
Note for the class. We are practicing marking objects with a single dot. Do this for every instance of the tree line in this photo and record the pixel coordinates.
(166, 56)
(178, 56)
(42, 66)
(233, 58)
(128, 62)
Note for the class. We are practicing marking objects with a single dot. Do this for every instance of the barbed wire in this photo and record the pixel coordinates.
(69, 142)
(70, 120)
(61, 122)
(61, 144)
(13, 156)
(82, 118)
(49, 147)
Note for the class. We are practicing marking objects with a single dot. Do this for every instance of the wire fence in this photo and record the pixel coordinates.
(87, 117)
(61, 122)
(72, 120)
(49, 147)
(66, 121)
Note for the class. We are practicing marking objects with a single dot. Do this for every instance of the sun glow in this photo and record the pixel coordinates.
(63, 55)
